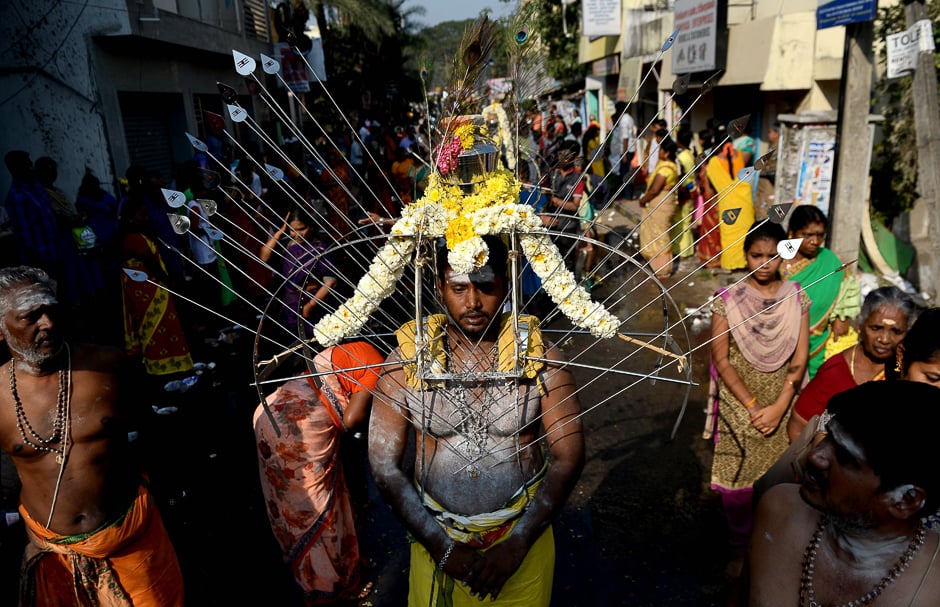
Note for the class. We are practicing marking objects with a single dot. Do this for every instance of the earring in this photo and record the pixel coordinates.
(897, 362)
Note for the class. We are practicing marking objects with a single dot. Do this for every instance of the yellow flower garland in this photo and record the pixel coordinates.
(491, 207)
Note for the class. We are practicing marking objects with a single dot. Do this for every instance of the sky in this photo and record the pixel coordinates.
(437, 11)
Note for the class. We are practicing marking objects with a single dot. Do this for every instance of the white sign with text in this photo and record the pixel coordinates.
(904, 47)
(697, 23)
(601, 17)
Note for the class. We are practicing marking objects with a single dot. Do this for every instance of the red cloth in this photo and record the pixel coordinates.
(152, 328)
(708, 248)
(833, 376)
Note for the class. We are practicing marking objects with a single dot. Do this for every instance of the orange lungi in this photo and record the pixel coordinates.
(127, 562)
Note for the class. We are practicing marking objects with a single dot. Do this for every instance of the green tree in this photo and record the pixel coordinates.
(435, 49)
(365, 43)
(557, 26)
(894, 166)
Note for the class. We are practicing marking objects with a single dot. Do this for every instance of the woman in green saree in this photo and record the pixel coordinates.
(835, 292)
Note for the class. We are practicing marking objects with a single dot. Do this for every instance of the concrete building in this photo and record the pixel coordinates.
(101, 85)
(773, 58)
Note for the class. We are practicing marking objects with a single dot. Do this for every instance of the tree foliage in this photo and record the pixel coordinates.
(435, 50)
(555, 25)
(365, 43)
(894, 166)
(558, 28)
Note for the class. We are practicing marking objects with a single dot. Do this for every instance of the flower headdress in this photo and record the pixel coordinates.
(469, 195)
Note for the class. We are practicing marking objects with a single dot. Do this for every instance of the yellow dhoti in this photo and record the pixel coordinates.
(529, 586)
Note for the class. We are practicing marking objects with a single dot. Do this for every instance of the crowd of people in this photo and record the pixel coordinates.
(800, 381)
(689, 187)
(801, 367)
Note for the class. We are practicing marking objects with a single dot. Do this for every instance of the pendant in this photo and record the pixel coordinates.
(473, 471)
(59, 458)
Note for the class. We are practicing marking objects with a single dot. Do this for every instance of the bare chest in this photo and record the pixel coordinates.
(493, 406)
(39, 414)
(910, 581)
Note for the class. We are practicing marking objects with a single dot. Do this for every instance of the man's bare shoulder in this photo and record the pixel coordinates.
(556, 372)
(394, 364)
(97, 358)
(392, 375)
(781, 506)
(783, 523)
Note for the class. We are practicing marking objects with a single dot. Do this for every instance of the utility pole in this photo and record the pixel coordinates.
(853, 143)
(925, 216)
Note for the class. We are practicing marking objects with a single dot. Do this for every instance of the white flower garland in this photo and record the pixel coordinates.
(377, 284)
(504, 134)
(430, 220)
(573, 300)
(468, 256)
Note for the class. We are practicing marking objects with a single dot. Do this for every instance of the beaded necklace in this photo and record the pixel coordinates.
(473, 413)
(61, 416)
(808, 592)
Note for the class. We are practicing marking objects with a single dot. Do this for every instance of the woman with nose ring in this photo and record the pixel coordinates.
(835, 294)
(883, 323)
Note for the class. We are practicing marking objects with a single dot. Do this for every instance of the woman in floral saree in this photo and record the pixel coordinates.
(302, 476)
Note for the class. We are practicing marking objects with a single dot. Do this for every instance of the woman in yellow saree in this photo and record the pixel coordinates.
(659, 204)
(735, 204)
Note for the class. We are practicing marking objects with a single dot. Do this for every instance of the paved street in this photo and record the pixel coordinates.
(640, 529)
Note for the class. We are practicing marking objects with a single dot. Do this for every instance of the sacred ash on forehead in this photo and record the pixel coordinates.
(30, 297)
(483, 275)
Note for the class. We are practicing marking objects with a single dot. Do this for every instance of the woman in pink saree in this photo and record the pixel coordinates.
(302, 475)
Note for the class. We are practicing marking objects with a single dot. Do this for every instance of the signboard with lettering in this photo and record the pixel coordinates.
(815, 178)
(606, 66)
(841, 12)
(694, 49)
(293, 69)
(600, 17)
(904, 47)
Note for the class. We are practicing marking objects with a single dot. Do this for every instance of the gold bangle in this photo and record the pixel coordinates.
(748, 404)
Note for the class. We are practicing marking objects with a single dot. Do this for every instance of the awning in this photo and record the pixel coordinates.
(778, 53)
(749, 47)
(592, 49)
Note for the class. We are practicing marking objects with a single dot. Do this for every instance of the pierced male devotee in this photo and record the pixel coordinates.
(497, 454)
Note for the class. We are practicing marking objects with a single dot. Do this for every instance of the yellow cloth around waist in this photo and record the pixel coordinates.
(529, 586)
(487, 528)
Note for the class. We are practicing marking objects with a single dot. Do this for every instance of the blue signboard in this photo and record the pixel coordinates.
(840, 12)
